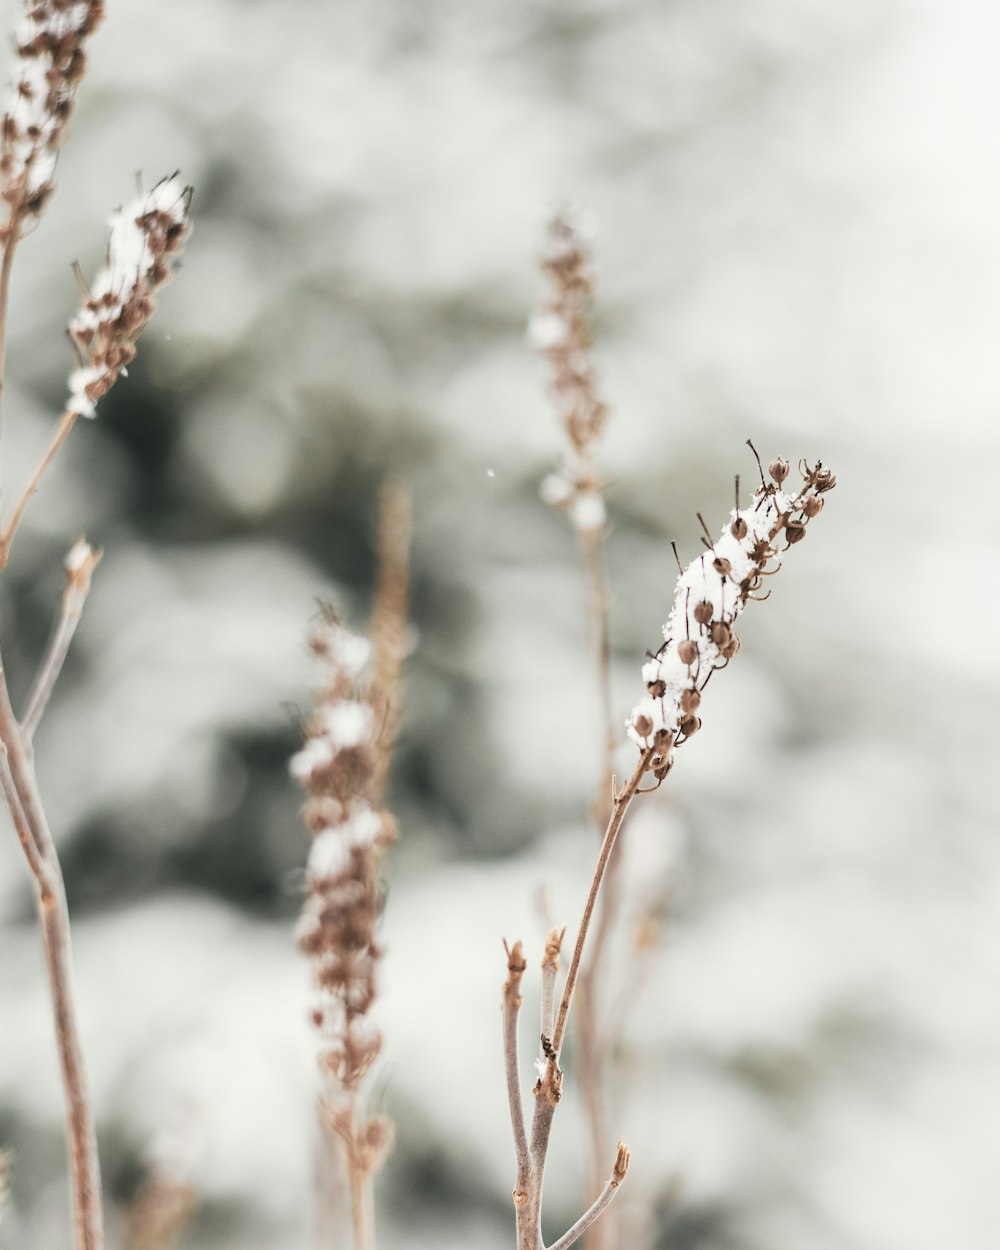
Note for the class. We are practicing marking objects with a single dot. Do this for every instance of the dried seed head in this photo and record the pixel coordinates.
(812, 505)
(143, 236)
(703, 612)
(687, 651)
(690, 726)
(720, 633)
(722, 566)
(657, 688)
(50, 40)
(778, 469)
(795, 531)
(690, 699)
(642, 725)
(738, 529)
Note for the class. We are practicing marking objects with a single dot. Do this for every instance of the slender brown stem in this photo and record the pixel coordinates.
(54, 918)
(66, 423)
(389, 620)
(74, 596)
(32, 851)
(6, 264)
(516, 965)
(359, 1183)
(592, 545)
(602, 1200)
(618, 810)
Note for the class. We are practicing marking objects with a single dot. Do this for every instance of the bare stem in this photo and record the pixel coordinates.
(618, 810)
(359, 1182)
(550, 969)
(592, 545)
(80, 567)
(6, 264)
(389, 626)
(54, 918)
(602, 1200)
(66, 423)
(516, 965)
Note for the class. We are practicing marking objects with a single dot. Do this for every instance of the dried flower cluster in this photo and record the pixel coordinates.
(50, 63)
(146, 237)
(711, 593)
(337, 930)
(560, 332)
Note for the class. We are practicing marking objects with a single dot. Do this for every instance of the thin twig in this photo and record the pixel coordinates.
(620, 807)
(516, 965)
(30, 847)
(618, 1173)
(550, 969)
(80, 565)
(66, 423)
(388, 628)
(6, 263)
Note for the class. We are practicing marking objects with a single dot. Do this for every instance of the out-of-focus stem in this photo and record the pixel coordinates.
(389, 620)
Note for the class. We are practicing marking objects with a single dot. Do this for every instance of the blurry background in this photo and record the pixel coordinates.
(798, 207)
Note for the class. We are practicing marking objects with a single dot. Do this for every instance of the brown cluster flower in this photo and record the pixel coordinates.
(711, 593)
(344, 896)
(50, 42)
(560, 333)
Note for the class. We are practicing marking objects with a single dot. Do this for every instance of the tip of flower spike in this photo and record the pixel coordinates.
(146, 237)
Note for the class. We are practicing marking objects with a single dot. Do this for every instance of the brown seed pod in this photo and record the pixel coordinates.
(812, 505)
(778, 469)
(795, 531)
(663, 741)
(689, 726)
(703, 612)
(731, 647)
(687, 651)
(824, 479)
(720, 633)
(738, 529)
(660, 770)
(642, 725)
(690, 701)
(656, 688)
(722, 566)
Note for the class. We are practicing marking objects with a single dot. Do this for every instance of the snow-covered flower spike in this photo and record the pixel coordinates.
(146, 237)
(50, 40)
(559, 331)
(711, 593)
(337, 929)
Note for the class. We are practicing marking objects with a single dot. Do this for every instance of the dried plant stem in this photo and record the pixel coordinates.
(74, 596)
(587, 1220)
(389, 626)
(620, 806)
(592, 547)
(40, 852)
(62, 432)
(359, 1178)
(531, 1159)
(6, 264)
